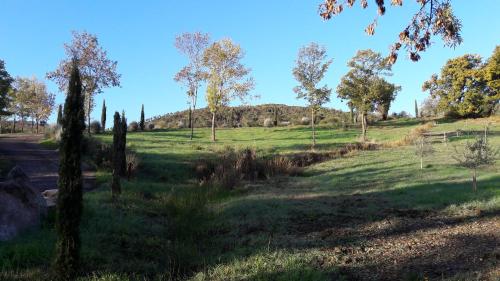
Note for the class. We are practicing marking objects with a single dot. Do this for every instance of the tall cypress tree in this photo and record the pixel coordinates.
(416, 109)
(117, 132)
(103, 115)
(69, 200)
(123, 145)
(60, 115)
(141, 123)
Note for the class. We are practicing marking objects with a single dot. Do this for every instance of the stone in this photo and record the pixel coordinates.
(21, 206)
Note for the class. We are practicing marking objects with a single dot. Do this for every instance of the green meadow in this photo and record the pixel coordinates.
(165, 226)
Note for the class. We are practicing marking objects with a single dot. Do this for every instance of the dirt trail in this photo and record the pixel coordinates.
(39, 163)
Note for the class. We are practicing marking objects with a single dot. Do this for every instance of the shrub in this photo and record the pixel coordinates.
(180, 124)
(133, 162)
(53, 132)
(95, 127)
(151, 126)
(268, 122)
(305, 121)
(133, 126)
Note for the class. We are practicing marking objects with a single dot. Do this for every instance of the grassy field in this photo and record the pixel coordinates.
(342, 219)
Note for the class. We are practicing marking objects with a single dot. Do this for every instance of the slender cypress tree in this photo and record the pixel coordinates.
(69, 200)
(141, 123)
(60, 115)
(117, 132)
(103, 115)
(416, 109)
(123, 145)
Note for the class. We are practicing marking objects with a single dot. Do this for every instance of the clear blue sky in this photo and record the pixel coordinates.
(140, 36)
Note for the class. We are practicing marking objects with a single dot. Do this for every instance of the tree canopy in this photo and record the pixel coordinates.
(433, 18)
(466, 86)
(5, 86)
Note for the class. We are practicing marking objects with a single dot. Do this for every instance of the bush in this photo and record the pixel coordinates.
(133, 126)
(95, 127)
(180, 124)
(305, 121)
(151, 126)
(268, 122)
(98, 153)
(133, 160)
(53, 132)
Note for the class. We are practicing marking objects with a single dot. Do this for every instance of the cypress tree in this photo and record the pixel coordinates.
(117, 128)
(141, 123)
(69, 200)
(103, 115)
(123, 144)
(59, 115)
(416, 109)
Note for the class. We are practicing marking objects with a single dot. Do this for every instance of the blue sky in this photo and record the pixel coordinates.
(140, 36)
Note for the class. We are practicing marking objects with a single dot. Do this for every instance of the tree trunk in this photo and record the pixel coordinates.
(37, 122)
(213, 126)
(13, 130)
(192, 123)
(363, 126)
(474, 183)
(22, 124)
(313, 132)
(189, 118)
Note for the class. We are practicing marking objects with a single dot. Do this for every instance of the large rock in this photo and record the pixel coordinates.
(21, 206)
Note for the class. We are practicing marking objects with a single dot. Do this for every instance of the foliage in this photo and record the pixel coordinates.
(364, 87)
(142, 123)
(311, 66)
(117, 155)
(103, 115)
(227, 76)
(59, 115)
(95, 127)
(96, 69)
(466, 86)
(434, 18)
(133, 126)
(69, 199)
(475, 155)
(192, 45)
(5, 86)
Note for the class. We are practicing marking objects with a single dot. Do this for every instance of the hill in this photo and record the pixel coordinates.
(249, 116)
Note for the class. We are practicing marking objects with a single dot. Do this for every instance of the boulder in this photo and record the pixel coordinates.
(21, 206)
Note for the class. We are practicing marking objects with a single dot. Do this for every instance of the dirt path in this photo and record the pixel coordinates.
(39, 163)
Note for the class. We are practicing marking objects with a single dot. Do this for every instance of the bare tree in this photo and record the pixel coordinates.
(423, 148)
(96, 69)
(475, 155)
(227, 76)
(193, 45)
(311, 66)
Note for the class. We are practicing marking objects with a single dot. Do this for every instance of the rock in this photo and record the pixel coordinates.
(21, 206)
(50, 196)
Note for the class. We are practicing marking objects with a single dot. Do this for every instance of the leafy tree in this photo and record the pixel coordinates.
(475, 155)
(21, 99)
(117, 155)
(423, 148)
(384, 94)
(60, 115)
(142, 123)
(491, 74)
(96, 69)
(429, 107)
(311, 66)
(69, 199)
(434, 18)
(462, 89)
(362, 85)
(41, 102)
(227, 76)
(192, 45)
(103, 115)
(5, 85)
